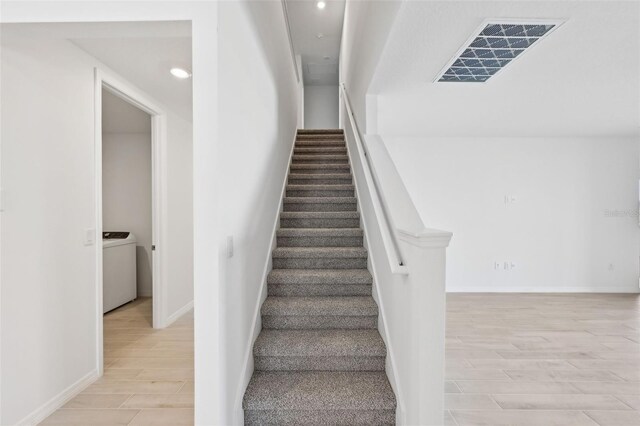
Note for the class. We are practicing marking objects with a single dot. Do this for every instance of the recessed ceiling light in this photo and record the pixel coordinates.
(180, 73)
(321, 5)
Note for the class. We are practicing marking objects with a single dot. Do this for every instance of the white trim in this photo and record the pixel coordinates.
(542, 289)
(46, 409)
(394, 255)
(285, 14)
(247, 365)
(177, 314)
(129, 93)
(384, 331)
(557, 23)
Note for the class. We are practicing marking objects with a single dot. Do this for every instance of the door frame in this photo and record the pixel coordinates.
(129, 93)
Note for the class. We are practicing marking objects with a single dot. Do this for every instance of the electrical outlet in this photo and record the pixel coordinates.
(510, 199)
(504, 266)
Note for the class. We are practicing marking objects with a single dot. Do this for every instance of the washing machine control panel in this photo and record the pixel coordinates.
(113, 235)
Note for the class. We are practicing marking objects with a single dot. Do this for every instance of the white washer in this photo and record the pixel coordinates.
(119, 269)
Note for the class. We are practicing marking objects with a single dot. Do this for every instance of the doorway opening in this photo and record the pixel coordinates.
(130, 131)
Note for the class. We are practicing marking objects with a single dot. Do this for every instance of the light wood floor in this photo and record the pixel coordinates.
(512, 359)
(148, 377)
(543, 359)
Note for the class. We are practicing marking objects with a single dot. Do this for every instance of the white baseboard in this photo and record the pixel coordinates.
(542, 289)
(177, 314)
(59, 400)
(247, 365)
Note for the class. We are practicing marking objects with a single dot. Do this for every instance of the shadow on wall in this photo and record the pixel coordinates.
(144, 269)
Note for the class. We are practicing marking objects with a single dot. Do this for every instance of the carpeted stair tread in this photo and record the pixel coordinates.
(319, 306)
(329, 150)
(318, 343)
(320, 158)
(320, 168)
(319, 252)
(320, 276)
(320, 131)
(328, 136)
(321, 144)
(319, 390)
(319, 204)
(319, 219)
(344, 187)
(326, 200)
(315, 176)
(319, 215)
(319, 232)
(324, 191)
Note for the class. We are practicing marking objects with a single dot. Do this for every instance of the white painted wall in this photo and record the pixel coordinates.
(48, 273)
(126, 195)
(364, 36)
(557, 232)
(207, 281)
(258, 118)
(126, 181)
(321, 107)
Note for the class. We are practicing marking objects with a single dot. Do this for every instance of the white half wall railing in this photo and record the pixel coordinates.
(407, 261)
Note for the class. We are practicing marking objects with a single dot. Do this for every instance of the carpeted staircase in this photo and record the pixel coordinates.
(319, 358)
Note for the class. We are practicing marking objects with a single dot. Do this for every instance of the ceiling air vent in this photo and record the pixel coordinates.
(492, 48)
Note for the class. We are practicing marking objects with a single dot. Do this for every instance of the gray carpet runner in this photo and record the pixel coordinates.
(319, 359)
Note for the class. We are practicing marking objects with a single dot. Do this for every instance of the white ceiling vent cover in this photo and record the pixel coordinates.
(495, 45)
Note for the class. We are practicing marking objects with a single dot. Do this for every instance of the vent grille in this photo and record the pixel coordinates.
(493, 48)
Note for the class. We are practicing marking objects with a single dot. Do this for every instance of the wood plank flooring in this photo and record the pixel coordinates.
(148, 377)
(512, 359)
(543, 359)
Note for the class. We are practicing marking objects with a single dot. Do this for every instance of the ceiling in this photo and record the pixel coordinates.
(119, 116)
(316, 38)
(141, 52)
(583, 79)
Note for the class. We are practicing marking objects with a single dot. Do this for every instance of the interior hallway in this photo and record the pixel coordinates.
(148, 377)
(512, 359)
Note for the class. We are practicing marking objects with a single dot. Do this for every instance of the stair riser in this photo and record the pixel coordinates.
(319, 207)
(320, 132)
(319, 223)
(304, 290)
(319, 363)
(320, 193)
(319, 168)
(320, 144)
(321, 181)
(320, 417)
(300, 322)
(319, 241)
(320, 151)
(320, 160)
(323, 241)
(334, 137)
(328, 263)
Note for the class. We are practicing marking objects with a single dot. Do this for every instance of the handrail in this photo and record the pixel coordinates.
(392, 247)
(285, 12)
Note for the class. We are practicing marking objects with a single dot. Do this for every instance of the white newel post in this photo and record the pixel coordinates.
(424, 254)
